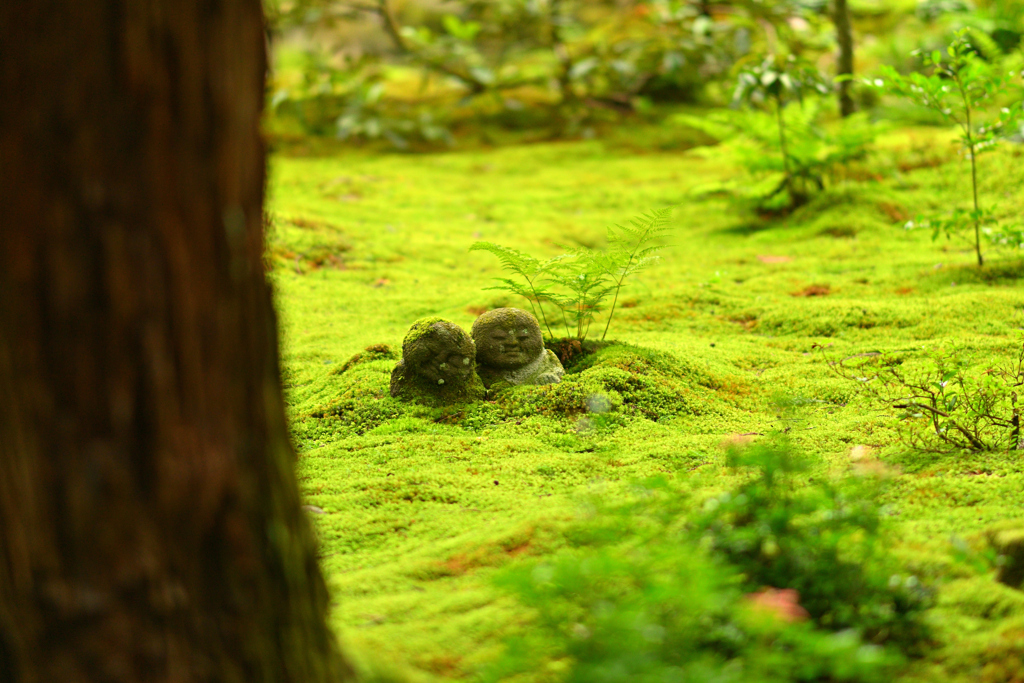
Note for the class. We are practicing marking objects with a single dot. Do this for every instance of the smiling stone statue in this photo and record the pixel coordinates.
(509, 348)
(438, 365)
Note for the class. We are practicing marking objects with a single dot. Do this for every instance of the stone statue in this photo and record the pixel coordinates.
(509, 348)
(438, 365)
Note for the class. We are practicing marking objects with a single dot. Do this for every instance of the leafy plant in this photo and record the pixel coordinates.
(579, 281)
(650, 591)
(776, 82)
(961, 84)
(822, 540)
(945, 405)
(815, 152)
(631, 250)
(536, 274)
(582, 289)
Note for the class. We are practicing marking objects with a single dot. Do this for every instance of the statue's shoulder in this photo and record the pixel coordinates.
(551, 361)
(549, 371)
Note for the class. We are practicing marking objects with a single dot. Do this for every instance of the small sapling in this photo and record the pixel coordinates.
(780, 81)
(960, 87)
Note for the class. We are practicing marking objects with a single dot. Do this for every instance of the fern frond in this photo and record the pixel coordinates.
(631, 250)
(648, 252)
(641, 229)
(544, 267)
(580, 281)
(641, 264)
(561, 301)
(513, 287)
(511, 259)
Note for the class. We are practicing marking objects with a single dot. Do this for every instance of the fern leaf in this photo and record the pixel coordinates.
(511, 259)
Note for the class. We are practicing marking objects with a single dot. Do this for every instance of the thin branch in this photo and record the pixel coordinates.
(394, 31)
(973, 440)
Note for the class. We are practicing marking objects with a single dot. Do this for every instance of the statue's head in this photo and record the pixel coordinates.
(507, 338)
(439, 351)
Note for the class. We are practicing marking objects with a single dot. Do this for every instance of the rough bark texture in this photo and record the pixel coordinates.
(844, 36)
(150, 527)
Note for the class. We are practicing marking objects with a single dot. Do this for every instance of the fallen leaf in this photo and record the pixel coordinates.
(813, 290)
(783, 603)
(734, 440)
(767, 258)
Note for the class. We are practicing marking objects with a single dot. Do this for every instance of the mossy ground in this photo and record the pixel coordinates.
(421, 506)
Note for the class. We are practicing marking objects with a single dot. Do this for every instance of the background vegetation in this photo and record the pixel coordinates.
(428, 73)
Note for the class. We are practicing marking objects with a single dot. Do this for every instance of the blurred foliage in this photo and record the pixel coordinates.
(410, 72)
(421, 73)
(772, 582)
(1001, 21)
(817, 151)
(822, 540)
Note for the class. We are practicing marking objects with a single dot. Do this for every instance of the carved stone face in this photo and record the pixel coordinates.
(442, 354)
(507, 338)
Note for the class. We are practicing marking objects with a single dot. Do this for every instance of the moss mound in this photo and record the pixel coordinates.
(618, 380)
(630, 380)
(370, 353)
(360, 398)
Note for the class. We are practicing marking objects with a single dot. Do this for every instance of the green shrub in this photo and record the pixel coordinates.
(959, 88)
(646, 594)
(791, 149)
(666, 612)
(944, 403)
(822, 539)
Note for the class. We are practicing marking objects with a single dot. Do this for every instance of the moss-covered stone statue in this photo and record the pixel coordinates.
(438, 365)
(510, 349)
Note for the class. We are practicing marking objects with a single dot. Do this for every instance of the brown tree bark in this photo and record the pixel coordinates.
(150, 521)
(844, 36)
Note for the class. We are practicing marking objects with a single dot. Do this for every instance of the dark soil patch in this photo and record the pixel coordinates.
(571, 352)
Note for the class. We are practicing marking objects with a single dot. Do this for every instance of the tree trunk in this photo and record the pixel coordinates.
(150, 522)
(844, 36)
